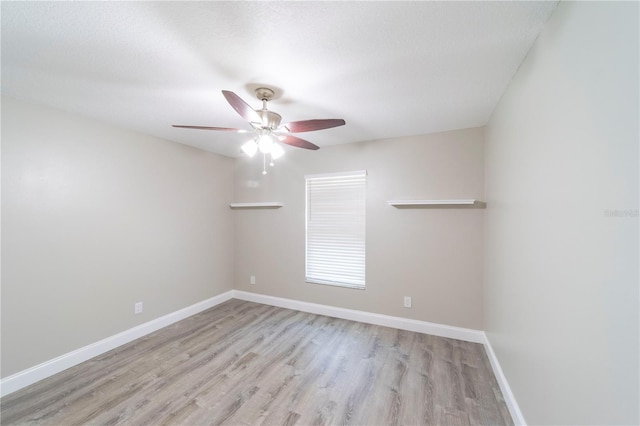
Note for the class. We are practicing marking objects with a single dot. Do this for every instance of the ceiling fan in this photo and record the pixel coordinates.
(266, 125)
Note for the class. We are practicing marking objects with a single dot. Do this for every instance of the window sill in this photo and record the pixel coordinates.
(333, 284)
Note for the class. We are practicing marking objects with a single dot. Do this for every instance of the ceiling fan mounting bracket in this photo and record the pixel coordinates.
(264, 93)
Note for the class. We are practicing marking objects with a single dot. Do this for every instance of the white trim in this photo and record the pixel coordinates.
(334, 284)
(49, 368)
(335, 174)
(507, 394)
(467, 334)
(31, 375)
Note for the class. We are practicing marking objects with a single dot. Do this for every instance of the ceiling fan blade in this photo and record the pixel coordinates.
(225, 129)
(310, 125)
(242, 107)
(295, 141)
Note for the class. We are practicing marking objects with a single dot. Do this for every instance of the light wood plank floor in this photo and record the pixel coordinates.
(244, 363)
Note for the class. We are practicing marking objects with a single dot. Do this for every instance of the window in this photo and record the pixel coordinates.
(335, 224)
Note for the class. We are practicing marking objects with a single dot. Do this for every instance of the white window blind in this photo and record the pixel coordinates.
(335, 225)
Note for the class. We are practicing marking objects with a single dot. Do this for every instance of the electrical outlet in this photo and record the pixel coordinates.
(137, 308)
(407, 301)
(252, 280)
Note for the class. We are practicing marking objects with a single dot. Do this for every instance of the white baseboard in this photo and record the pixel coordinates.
(46, 369)
(441, 330)
(466, 334)
(507, 394)
(49, 368)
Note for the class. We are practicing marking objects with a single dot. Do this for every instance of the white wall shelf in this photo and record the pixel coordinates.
(437, 203)
(263, 205)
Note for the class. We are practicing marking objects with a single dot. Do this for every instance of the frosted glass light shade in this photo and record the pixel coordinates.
(265, 143)
(250, 148)
(276, 151)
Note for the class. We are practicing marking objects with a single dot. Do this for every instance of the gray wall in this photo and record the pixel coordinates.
(433, 255)
(96, 218)
(561, 272)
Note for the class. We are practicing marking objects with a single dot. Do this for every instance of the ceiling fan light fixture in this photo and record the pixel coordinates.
(276, 151)
(250, 148)
(266, 125)
(265, 144)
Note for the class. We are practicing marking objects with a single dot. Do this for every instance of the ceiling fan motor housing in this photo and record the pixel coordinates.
(270, 119)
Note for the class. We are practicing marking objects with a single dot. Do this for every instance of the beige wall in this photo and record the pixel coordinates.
(562, 276)
(96, 218)
(432, 255)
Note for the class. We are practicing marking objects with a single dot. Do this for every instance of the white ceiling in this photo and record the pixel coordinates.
(388, 68)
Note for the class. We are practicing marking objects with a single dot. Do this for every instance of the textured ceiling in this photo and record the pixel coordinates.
(388, 68)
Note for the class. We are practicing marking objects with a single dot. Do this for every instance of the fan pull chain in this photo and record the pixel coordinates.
(264, 164)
